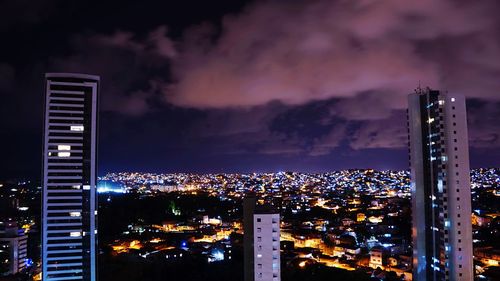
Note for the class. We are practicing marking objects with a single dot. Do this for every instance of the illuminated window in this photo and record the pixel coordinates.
(75, 234)
(75, 214)
(86, 187)
(77, 128)
(259, 256)
(63, 154)
(64, 150)
(452, 99)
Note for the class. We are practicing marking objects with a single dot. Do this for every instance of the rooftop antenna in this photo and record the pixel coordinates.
(419, 88)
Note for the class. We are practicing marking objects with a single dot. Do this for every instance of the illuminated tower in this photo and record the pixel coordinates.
(266, 242)
(261, 224)
(69, 242)
(440, 186)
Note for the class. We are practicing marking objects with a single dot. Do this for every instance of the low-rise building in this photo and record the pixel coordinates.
(13, 248)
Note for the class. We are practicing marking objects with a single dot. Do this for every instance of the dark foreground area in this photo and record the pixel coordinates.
(123, 268)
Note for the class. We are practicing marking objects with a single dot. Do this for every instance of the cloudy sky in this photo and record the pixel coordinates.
(242, 86)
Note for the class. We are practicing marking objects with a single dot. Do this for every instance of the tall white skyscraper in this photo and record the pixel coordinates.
(266, 242)
(69, 224)
(440, 186)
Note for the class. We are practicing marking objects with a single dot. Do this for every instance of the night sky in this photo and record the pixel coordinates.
(249, 86)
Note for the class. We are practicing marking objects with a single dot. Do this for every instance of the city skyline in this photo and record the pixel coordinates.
(225, 88)
(254, 140)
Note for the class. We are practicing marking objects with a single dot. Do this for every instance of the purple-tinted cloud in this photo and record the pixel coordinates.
(303, 51)
(383, 133)
(484, 131)
(365, 56)
(128, 64)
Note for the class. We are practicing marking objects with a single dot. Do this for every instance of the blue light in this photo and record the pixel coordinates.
(219, 256)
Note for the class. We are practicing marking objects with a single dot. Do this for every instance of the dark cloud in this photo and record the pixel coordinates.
(18, 12)
(484, 130)
(382, 133)
(130, 66)
(300, 51)
(305, 85)
(7, 75)
(361, 57)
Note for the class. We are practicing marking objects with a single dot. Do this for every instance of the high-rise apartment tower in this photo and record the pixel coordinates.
(69, 224)
(261, 225)
(266, 240)
(440, 186)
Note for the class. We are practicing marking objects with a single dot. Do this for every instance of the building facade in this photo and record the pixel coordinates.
(376, 257)
(261, 241)
(440, 186)
(13, 248)
(266, 241)
(69, 225)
